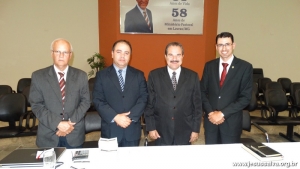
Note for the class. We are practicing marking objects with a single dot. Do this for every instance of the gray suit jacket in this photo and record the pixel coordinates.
(231, 99)
(135, 21)
(46, 103)
(174, 114)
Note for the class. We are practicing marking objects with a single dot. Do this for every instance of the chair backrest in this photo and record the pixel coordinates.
(285, 83)
(293, 88)
(276, 99)
(22, 83)
(297, 98)
(26, 92)
(262, 84)
(257, 73)
(253, 102)
(274, 85)
(246, 121)
(4, 89)
(12, 106)
(92, 121)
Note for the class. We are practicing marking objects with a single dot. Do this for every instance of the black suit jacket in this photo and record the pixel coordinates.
(174, 114)
(109, 101)
(135, 21)
(231, 99)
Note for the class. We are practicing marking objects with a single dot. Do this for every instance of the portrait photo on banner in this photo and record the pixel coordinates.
(161, 16)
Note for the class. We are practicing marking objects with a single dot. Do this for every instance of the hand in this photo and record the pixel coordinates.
(154, 134)
(66, 126)
(216, 117)
(60, 133)
(123, 120)
(194, 137)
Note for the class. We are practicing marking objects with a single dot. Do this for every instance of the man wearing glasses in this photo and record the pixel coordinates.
(59, 98)
(226, 88)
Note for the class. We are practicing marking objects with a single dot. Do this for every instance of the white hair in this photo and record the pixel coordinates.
(59, 39)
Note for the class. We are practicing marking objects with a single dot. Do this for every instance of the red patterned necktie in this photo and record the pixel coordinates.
(223, 75)
(62, 84)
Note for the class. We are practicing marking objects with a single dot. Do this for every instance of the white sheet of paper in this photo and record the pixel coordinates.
(40, 154)
(105, 144)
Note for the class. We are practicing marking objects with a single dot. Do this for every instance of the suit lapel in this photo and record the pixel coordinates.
(53, 81)
(114, 78)
(69, 83)
(216, 72)
(128, 78)
(167, 80)
(181, 80)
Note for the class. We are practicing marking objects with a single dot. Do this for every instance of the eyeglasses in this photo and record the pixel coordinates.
(171, 56)
(224, 45)
(58, 53)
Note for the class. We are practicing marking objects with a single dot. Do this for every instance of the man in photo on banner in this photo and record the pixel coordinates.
(139, 19)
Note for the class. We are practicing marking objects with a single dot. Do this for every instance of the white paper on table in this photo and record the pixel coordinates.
(105, 144)
(40, 154)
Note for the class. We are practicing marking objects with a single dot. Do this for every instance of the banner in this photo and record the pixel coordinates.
(161, 16)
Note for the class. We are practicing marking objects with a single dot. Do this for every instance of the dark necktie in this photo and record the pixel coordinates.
(147, 19)
(62, 84)
(121, 80)
(223, 75)
(174, 81)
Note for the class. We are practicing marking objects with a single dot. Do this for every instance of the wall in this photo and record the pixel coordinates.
(27, 29)
(148, 50)
(266, 33)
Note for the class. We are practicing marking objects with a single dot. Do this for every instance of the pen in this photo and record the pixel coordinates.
(81, 161)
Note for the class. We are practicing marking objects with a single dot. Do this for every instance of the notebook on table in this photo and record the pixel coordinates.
(26, 157)
(262, 152)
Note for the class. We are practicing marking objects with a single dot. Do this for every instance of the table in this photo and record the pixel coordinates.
(177, 157)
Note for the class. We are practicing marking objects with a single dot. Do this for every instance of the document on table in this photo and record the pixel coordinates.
(108, 144)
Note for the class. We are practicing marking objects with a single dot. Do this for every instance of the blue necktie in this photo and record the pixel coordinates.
(121, 80)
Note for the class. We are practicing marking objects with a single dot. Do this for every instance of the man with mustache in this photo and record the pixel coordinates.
(174, 110)
(139, 19)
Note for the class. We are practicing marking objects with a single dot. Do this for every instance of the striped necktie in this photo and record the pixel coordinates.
(62, 84)
(147, 19)
(121, 80)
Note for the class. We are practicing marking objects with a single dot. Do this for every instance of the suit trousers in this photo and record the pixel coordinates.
(216, 137)
(64, 143)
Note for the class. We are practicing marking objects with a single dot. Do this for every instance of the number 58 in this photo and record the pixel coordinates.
(175, 12)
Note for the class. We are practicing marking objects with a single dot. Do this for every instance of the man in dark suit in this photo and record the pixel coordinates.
(139, 19)
(120, 96)
(226, 87)
(174, 110)
(59, 97)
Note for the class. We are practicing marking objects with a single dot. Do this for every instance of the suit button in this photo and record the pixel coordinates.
(123, 96)
(174, 107)
(172, 118)
(174, 96)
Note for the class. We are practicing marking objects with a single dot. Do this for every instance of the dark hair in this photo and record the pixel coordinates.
(174, 44)
(122, 41)
(224, 35)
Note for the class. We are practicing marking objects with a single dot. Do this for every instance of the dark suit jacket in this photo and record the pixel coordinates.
(46, 103)
(109, 101)
(231, 99)
(174, 114)
(135, 21)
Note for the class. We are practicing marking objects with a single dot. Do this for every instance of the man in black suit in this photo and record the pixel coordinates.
(225, 96)
(120, 96)
(174, 110)
(139, 19)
